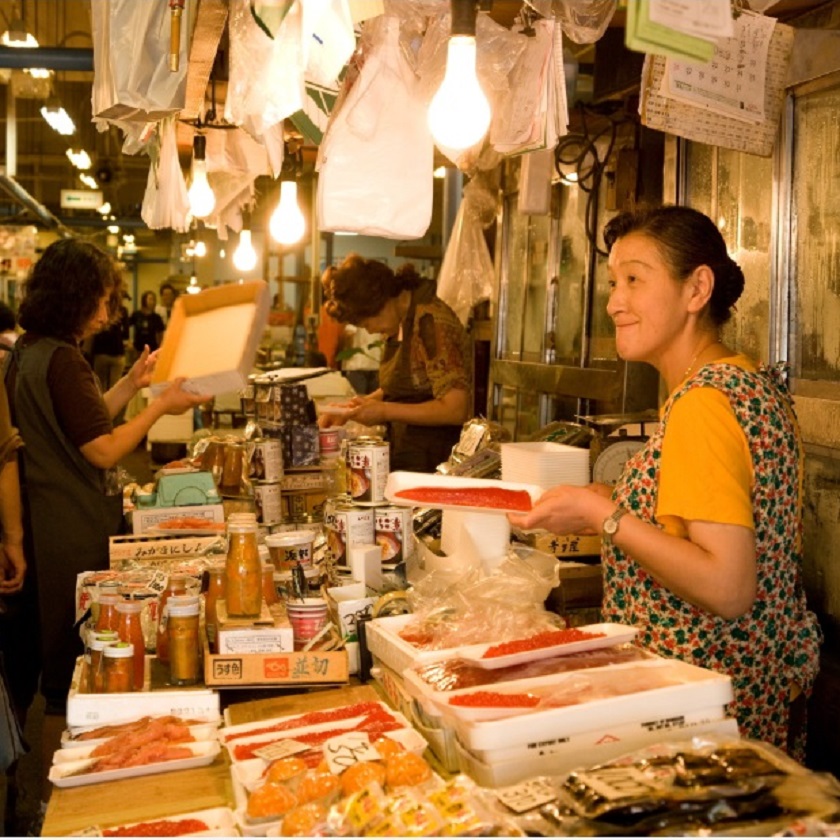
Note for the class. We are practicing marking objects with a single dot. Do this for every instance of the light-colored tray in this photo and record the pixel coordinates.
(220, 823)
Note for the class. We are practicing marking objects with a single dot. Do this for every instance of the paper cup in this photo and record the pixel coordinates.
(288, 548)
(308, 618)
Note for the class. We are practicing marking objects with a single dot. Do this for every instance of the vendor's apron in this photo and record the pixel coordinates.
(414, 448)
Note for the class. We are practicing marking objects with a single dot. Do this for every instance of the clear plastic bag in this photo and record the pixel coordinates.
(584, 21)
(165, 203)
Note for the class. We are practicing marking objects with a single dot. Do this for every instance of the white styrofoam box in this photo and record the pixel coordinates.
(581, 752)
(545, 463)
(100, 709)
(144, 518)
(442, 742)
(383, 641)
(694, 688)
(172, 427)
(256, 640)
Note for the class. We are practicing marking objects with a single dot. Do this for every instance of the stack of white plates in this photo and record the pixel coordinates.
(545, 464)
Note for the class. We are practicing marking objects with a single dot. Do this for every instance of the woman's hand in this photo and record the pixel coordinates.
(566, 510)
(328, 418)
(140, 374)
(175, 400)
(368, 412)
(12, 568)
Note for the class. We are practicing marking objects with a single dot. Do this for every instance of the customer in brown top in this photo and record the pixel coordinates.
(425, 375)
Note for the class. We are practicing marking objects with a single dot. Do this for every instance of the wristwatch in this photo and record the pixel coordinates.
(610, 527)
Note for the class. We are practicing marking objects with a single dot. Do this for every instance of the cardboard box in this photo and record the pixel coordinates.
(144, 518)
(153, 550)
(569, 545)
(212, 338)
(255, 640)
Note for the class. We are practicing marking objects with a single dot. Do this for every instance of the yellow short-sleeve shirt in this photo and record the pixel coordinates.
(706, 471)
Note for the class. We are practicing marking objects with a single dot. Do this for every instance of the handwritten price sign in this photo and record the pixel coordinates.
(348, 749)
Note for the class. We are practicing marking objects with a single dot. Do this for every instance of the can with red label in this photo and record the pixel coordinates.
(346, 525)
(393, 533)
(368, 465)
(267, 502)
(265, 461)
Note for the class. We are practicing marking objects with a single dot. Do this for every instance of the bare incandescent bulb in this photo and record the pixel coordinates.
(287, 224)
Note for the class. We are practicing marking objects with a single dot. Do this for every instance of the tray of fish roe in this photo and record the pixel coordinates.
(546, 644)
(211, 822)
(152, 747)
(91, 736)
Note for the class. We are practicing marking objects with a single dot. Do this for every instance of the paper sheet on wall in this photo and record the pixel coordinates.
(703, 18)
(706, 126)
(733, 82)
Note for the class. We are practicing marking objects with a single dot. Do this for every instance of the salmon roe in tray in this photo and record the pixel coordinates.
(495, 699)
(548, 638)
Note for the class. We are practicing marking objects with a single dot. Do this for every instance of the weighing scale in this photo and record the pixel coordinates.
(608, 451)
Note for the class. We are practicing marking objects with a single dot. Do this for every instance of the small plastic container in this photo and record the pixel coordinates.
(288, 548)
(118, 667)
(131, 630)
(107, 618)
(98, 642)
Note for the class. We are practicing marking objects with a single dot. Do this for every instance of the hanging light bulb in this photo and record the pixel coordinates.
(287, 224)
(200, 249)
(245, 257)
(202, 199)
(459, 113)
(193, 288)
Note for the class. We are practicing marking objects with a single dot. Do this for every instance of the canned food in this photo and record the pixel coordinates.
(247, 399)
(346, 526)
(329, 441)
(265, 461)
(393, 534)
(367, 469)
(267, 502)
(288, 548)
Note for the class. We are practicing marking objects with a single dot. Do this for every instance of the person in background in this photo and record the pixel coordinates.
(8, 329)
(360, 358)
(425, 375)
(69, 479)
(702, 534)
(148, 325)
(329, 336)
(109, 348)
(167, 299)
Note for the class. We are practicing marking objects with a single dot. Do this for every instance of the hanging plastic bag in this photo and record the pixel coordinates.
(584, 21)
(328, 40)
(466, 275)
(132, 79)
(376, 158)
(165, 203)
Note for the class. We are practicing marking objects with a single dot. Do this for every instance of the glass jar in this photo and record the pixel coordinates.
(233, 469)
(182, 626)
(107, 617)
(217, 577)
(176, 585)
(268, 587)
(243, 584)
(98, 642)
(130, 630)
(118, 668)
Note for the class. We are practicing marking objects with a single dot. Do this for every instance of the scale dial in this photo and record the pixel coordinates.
(609, 464)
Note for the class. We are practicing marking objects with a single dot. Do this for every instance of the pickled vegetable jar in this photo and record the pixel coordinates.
(243, 572)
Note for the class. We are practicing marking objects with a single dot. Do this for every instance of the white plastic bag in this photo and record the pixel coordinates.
(466, 275)
(165, 204)
(132, 79)
(376, 157)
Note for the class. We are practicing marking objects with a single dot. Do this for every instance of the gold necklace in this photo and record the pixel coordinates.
(696, 357)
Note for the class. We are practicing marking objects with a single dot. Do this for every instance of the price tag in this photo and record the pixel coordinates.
(527, 795)
(348, 749)
(280, 749)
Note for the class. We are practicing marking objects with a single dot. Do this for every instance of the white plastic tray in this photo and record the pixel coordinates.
(219, 821)
(613, 634)
(384, 642)
(200, 732)
(697, 688)
(399, 481)
(68, 763)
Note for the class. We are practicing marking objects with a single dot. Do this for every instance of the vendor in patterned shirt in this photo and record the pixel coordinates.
(425, 375)
(702, 534)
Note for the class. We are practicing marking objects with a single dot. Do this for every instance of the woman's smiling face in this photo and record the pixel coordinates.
(647, 304)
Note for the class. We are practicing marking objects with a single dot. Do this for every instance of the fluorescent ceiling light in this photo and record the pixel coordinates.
(89, 181)
(79, 158)
(53, 112)
(17, 36)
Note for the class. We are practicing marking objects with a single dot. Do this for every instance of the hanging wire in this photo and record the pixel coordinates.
(578, 160)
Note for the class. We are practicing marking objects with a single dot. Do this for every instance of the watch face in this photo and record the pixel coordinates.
(610, 525)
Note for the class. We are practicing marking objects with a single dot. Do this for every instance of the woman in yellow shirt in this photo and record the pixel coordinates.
(702, 534)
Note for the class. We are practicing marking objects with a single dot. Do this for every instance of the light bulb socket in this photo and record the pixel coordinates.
(199, 147)
(463, 17)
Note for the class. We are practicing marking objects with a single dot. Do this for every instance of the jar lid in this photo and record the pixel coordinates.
(242, 527)
(284, 538)
(262, 550)
(100, 643)
(105, 634)
(130, 607)
(182, 600)
(176, 610)
(118, 650)
(109, 598)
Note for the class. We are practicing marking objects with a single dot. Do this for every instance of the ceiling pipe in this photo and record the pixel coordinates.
(50, 58)
(16, 191)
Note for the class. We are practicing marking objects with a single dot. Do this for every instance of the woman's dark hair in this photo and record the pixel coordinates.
(359, 288)
(8, 321)
(64, 287)
(686, 239)
(145, 295)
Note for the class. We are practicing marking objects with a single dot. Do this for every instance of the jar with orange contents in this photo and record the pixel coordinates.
(268, 587)
(107, 617)
(184, 651)
(118, 668)
(243, 583)
(131, 630)
(176, 585)
(216, 580)
(96, 669)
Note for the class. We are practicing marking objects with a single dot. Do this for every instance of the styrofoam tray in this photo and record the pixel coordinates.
(399, 481)
(613, 634)
(384, 642)
(219, 821)
(65, 771)
(698, 688)
(199, 731)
